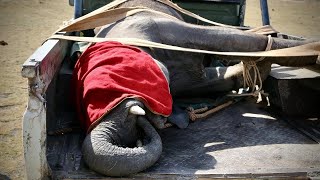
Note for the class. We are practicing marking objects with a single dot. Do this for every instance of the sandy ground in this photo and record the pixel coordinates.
(24, 24)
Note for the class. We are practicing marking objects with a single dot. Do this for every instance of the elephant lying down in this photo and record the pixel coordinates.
(116, 106)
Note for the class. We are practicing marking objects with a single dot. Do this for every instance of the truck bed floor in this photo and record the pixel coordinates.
(240, 141)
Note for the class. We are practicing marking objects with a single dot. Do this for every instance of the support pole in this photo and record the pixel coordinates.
(264, 12)
(77, 8)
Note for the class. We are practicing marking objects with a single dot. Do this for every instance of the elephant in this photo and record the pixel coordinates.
(111, 147)
(125, 158)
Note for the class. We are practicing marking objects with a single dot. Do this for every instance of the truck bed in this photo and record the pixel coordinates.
(242, 141)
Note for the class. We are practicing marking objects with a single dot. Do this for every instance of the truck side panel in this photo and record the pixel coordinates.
(40, 69)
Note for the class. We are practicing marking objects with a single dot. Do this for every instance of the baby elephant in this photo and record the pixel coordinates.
(116, 85)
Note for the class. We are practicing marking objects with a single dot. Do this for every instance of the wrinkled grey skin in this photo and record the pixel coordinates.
(110, 148)
(188, 77)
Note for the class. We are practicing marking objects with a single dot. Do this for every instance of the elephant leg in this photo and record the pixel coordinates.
(225, 39)
(214, 38)
(223, 79)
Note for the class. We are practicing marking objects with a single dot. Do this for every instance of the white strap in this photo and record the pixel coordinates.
(311, 49)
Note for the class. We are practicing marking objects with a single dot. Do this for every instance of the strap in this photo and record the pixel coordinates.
(104, 17)
(311, 49)
(176, 7)
(263, 30)
(107, 14)
(267, 29)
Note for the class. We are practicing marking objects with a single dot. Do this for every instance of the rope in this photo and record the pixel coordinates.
(195, 114)
(248, 81)
(248, 65)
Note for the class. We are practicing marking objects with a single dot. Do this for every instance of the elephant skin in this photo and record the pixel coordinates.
(110, 147)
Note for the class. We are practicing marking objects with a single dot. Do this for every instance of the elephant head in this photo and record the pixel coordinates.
(110, 148)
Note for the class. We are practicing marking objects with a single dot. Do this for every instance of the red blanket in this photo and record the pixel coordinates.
(108, 72)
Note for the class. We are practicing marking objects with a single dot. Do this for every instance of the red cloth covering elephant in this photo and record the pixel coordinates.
(109, 72)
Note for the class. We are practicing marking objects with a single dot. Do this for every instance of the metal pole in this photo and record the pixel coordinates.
(77, 8)
(264, 12)
(242, 12)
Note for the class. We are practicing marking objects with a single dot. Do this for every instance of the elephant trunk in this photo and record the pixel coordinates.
(102, 154)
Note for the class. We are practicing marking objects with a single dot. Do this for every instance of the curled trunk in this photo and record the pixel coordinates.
(104, 156)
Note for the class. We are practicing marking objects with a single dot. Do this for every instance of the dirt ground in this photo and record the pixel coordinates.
(24, 24)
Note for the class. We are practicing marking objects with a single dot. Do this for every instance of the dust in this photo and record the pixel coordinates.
(295, 17)
(24, 24)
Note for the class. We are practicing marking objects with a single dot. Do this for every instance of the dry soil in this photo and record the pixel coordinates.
(24, 24)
